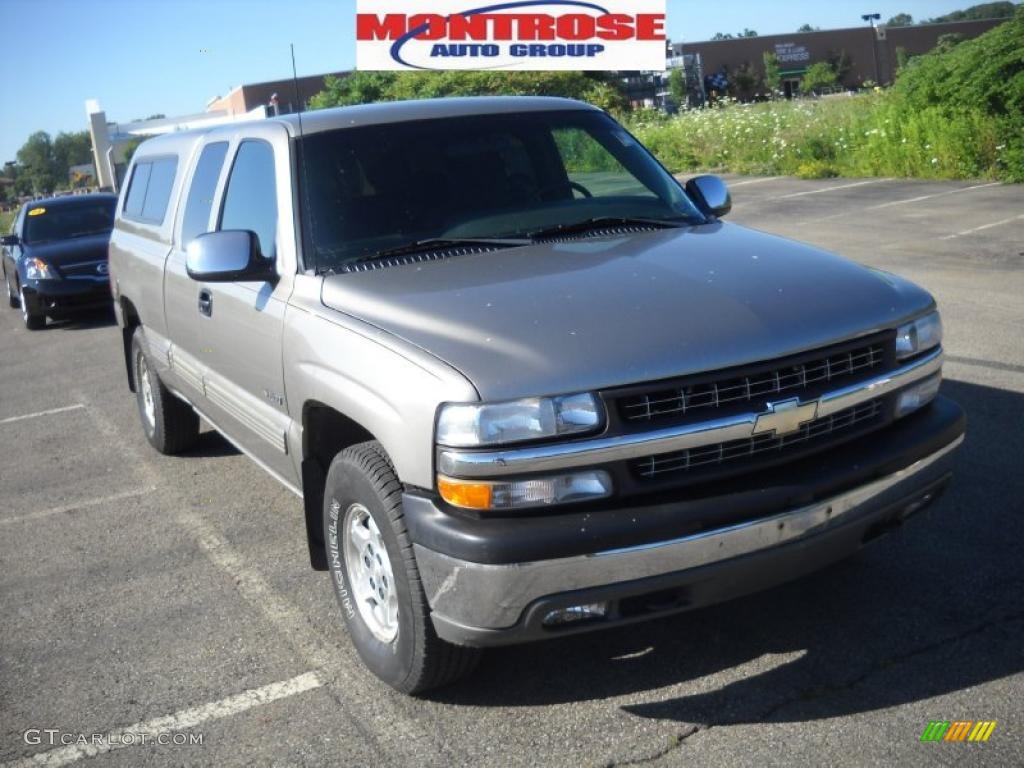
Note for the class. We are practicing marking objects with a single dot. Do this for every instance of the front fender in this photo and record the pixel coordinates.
(391, 389)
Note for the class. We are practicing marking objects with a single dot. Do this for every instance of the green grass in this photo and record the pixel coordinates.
(6, 217)
(874, 134)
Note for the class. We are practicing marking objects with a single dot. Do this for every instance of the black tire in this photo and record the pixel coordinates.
(416, 659)
(12, 295)
(32, 320)
(170, 424)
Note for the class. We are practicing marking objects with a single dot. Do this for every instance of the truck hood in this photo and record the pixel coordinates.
(594, 313)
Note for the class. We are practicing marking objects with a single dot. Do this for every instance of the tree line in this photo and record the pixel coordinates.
(43, 164)
(1001, 10)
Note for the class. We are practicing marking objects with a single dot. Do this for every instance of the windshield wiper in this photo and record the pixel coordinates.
(601, 222)
(438, 243)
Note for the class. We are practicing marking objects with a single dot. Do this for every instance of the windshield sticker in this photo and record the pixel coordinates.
(37, 212)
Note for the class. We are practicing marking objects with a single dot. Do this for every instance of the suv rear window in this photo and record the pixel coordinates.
(150, 189)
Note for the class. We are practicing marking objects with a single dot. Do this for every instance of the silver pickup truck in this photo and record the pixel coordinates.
(525, 382)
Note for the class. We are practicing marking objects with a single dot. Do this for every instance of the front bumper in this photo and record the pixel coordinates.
(489, 599)
(59, 298)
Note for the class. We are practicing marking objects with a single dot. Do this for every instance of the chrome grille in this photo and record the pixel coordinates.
(84, 269)
(665, 403)
(720, 453)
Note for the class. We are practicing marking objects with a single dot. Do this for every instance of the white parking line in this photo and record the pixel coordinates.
(291, 623)
(983, 227)
(173, 723)
(932, 197)
(908, 201)
(393, 725)
(76, 507)
(754, 181)
(37, 414)
(830, 189)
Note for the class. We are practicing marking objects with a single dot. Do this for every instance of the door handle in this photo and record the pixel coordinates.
(206, 302)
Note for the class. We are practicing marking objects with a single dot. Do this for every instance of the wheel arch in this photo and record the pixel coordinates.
(129, 322)
(326, 432)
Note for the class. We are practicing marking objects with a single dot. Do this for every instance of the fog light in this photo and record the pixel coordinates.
(918, 396)
(576, 613)
(522, 494)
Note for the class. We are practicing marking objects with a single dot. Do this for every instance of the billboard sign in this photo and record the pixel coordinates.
(521, 35)
(791, 53)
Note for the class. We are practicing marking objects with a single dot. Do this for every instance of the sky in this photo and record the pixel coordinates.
(144, 57)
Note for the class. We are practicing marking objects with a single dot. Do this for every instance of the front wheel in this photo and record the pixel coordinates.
(170, 424)
(33, 320)
(12, 295)
(376, 580)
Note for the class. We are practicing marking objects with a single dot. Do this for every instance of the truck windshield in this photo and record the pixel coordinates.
(375, 188)
(65, 221)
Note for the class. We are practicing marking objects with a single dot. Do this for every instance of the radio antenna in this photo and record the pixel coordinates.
(306, 241)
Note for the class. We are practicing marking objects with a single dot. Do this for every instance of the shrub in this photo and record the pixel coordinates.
(819, 75)
(369, 87)
(953, 114)
(872, 134)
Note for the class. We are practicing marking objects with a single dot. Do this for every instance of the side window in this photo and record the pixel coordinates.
(158, 193)
(149, 190)
(137, 189)
(250, 201)
(199, 202)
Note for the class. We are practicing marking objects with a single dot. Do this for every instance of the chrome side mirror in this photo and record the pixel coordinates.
(228, 256)
(711, 195)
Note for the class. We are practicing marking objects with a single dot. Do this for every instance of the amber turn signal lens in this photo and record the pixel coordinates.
(463, 494)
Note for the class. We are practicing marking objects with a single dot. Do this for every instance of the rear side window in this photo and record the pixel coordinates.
(250, 201)
(199, 202)
(150, 189)
(137, 189)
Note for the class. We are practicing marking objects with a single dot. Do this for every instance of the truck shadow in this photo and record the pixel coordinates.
(934, 608)
(211, 445)
(86, 321)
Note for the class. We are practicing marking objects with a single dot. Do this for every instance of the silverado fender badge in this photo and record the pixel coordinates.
(786, 417)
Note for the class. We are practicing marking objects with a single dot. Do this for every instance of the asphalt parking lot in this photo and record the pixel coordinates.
(144, 594)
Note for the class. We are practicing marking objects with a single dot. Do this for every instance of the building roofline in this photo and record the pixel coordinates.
(924, 25)
(289, 79)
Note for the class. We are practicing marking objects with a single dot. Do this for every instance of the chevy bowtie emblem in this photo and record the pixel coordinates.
(786, 417)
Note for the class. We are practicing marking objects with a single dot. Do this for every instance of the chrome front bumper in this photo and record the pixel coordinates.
(481, 604)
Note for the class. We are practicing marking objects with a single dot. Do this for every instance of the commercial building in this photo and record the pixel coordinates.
(869, 53)
(281, 94)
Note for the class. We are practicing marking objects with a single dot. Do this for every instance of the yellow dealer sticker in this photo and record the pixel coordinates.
(37, 212)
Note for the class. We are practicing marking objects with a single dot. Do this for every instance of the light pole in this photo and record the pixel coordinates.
(871, 18)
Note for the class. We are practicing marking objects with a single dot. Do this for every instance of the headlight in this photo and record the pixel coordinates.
(37, 269)
(470, 426)
(919, 336)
